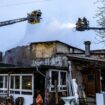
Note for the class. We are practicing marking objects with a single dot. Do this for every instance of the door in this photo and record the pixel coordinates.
(39, 84)
(89, 84)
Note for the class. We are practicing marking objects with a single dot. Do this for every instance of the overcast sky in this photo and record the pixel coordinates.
(58, 16)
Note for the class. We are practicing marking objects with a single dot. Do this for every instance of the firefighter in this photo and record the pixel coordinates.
(39, 99)
(86, 22)
(80, 25)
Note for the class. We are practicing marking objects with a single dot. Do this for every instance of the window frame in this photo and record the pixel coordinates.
(60, 86)
(4, 89)
(20, 90)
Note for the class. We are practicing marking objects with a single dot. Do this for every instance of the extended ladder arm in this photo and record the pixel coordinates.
(33, 18)
(4, 23)
(83, 24)
(89, 28)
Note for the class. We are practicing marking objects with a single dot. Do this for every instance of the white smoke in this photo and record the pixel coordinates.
(52, 30)
(67, 25)
(57, 25)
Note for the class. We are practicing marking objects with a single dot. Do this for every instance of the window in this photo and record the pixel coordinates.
(55, 76)
(26, 82)
(12, 82)
(15, 82)
(3, 83)
(21, 84)
(90, 77)
(61, 77)
(18, 83)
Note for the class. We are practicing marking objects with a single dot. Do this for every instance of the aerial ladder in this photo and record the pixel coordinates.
(83, 24)
(33, 18)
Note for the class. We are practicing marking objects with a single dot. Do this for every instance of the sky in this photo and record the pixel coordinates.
(57, 23)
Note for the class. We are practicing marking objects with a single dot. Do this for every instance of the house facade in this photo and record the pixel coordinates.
(50, 67)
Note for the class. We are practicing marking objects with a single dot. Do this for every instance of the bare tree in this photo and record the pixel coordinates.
(100, 15)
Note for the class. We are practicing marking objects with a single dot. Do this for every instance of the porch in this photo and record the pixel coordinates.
(90, 75)
(21, 83)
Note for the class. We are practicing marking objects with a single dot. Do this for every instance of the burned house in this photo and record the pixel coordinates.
(50, 67)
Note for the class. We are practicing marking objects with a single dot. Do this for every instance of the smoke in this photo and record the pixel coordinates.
(48, 30)
(57, 25)
(67, 25)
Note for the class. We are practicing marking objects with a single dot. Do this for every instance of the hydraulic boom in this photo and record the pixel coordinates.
(83, 24)
(33, 18)
(12, 21)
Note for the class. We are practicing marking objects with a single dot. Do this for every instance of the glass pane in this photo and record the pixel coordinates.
(12, 82)
(12, 92)
(17, 92)
(5, 91)
(27, 93)
(63, 88)
(63, 78)
(52, 89)
(17, 82)
(1, 81)
(54, 76)
(90, 77)
(1, 91)
(26, 82)
(6, 81)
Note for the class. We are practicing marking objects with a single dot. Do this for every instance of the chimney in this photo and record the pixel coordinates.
(87, 48)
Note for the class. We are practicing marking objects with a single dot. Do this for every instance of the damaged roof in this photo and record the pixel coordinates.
(84, 58)
(56, 41)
